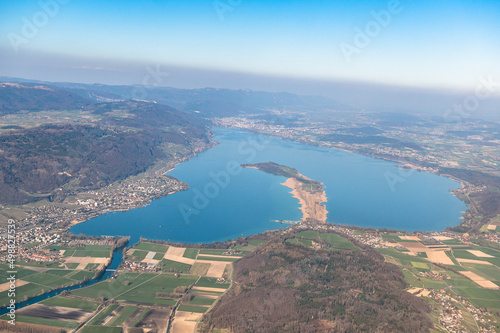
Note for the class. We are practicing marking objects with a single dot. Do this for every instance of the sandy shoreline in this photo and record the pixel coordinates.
(311, 204)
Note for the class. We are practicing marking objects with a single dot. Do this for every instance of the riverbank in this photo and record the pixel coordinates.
(311, 203)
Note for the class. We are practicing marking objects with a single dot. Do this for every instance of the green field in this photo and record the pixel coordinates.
(306, 242)
(69, 252)
(114, 287)
(44, 321)
(457, 268)
(404, 258)
(164, 283)
(218, 252)
(123, 315)
(49, 280)
(338, 241)
(464, 254)
(190, 253)
(139, 317)
(138, 255)
(192, 308)
(158, 256)
(58, 247)
(60, 272)
(218, 258)
(23, 292)
(44, 264)
(489, 272)
(23, 272)
(421, 254)
(211, 283)
(101, 329)
(199, 268)
(201, 301)
(174, 266)
(309, 234)
(91, 266)
(256, 242)
(252, 245)
(151, 247)
(434, 284)
(92, 253)
(70, 302)
(421, 265)
(107, 248)
(485, 298)
(80, 275)
(392, 237)
(452, 242)
(412, 279)
(103, 314)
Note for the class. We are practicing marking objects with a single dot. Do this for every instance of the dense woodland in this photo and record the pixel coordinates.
(130, 137)
(285, 287)
(286, 171)
(487, 202)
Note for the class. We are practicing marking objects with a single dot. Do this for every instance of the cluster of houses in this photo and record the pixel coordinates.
(135, 266)
(435, 275)
(128, 195)
(451, 316)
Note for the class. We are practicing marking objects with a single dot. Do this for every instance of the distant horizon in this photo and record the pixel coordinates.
(391, 42)
(376, 96)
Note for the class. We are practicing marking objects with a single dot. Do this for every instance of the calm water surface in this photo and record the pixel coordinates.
(225, 201)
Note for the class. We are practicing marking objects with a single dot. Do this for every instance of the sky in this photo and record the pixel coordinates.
(447, 45)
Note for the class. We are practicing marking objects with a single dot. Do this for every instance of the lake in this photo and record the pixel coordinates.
(225, 201)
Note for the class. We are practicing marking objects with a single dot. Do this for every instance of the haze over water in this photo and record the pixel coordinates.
(226, 202)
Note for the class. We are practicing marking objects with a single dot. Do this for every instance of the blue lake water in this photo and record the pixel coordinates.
(225, 201)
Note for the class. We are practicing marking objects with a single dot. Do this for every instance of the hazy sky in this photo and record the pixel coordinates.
(444, 44)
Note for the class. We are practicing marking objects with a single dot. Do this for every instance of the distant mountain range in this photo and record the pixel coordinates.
(92, 145)
(124, 130)
(15, 97)
(208, 102)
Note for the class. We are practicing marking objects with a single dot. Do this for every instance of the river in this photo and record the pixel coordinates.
(110, 271)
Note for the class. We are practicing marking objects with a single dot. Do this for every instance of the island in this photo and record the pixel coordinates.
(309, 192)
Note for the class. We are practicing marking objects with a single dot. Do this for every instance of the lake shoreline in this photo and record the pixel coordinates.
(311, 204)
(215, 180)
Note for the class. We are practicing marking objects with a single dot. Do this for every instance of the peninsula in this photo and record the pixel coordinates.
(309, 192)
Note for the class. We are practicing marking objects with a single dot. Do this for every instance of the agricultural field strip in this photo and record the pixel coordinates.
(24, 282)
(140, 284)
(6, 286)
(201, 256)
(450, 287)
(482, 277)
(437, 256)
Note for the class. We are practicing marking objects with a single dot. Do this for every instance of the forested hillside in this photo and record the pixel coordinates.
(99, 144)
(289, 287)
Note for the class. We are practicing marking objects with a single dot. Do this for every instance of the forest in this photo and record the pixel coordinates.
(128, 138)
(288, 287)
